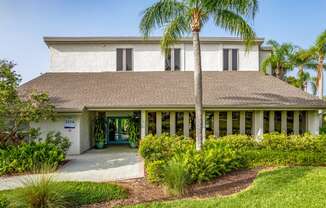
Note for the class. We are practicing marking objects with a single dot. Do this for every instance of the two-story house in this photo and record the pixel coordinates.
(120, 77)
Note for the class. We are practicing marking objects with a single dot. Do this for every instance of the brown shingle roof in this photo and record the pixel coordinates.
(245, 90)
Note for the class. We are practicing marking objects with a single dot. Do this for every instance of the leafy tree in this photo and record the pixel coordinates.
(181, 17)
(281, 59)
(319, 52)
(17, 110)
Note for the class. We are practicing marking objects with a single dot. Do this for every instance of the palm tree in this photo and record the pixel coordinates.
(301, 59)
(319, 53)
(180, 17)
(280, 59)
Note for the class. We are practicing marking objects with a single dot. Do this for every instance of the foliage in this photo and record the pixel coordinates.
(133, 129)
(280, 60)
(28, 156)
(163, 147)
(39, 191)
(155, 171)
(222, 155)
(19, 108)
(176, 177)
(99, 129)
(283, 187)
(203, 165)
(181, 17)
(73, 194)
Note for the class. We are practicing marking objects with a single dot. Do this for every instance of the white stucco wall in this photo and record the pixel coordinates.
(313, 122)
(146, 57)
(78, 136)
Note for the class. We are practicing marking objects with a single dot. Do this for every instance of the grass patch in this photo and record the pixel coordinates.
(284, 187)
(76, 193)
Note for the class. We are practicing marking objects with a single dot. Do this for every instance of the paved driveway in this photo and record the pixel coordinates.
(110, 164)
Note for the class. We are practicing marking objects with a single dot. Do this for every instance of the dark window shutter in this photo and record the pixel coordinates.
(128, 59)
(234, 59)
(119, 59)
(225, 59)
(177, 61)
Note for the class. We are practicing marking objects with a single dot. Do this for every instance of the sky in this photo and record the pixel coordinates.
(24, 23)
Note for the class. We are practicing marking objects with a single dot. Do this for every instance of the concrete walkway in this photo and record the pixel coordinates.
(110, 164)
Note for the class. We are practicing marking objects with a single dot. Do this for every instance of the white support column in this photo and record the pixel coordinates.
(284, 121)
(172, 123)
(186, 124)
(144, 124)
(313, 122)
(204, 126)
(296, 122)
(158, 123)
(216, 124)
(271, 121)
(242, 122)
(229, 123)
(258, 124)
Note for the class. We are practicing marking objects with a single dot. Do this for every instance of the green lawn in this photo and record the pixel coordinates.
(78, 193)
(283, 187)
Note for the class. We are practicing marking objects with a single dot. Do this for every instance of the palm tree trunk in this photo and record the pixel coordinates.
(320, 72)
(198, 90)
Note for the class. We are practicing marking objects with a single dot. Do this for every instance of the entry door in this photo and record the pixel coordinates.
(117, 130)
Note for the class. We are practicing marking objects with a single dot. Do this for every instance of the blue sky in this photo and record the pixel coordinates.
(24, 23)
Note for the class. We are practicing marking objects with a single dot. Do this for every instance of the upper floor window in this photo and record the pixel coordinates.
(230, 60)
(124, 59)
(173, 59)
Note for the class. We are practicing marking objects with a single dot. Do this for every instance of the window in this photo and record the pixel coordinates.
(266, 122)
(173, 59)
(289, 122)
(209, 123)
(124, 59)
(278, 121)
(166, 122)
(249, 120)
(230, 60)
(179, 123)
(223, 123)
(235, 122)
(302, 122)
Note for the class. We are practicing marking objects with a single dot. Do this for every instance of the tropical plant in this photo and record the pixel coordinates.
(176, 176)
(301, 81)
(99, 131)
(39, 191)
(301, 59)
(133, 129)
(18, 109)
(185, 16)
(319, 52)
(280, 60)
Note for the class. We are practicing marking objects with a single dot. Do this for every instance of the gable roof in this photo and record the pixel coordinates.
(135, 90)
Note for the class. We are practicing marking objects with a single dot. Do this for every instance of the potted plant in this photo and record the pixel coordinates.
(99, 133)
(133, 131)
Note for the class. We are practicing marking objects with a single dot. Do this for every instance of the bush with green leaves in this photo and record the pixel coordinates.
(203, 165)
(222, 155)
(28, 156)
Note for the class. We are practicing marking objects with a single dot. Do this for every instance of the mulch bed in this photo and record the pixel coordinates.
(140, 191)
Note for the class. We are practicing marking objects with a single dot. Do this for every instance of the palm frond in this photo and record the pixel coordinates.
(175, 30)
(246, 8)
(235, 24)
(159, 14)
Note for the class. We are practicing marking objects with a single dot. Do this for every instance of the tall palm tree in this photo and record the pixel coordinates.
(301, 59)
(319, 52)
(180, 17)
(280, 59)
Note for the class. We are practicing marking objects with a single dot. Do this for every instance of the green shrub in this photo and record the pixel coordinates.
(154, 170)
(212, 162)
(4, 203)
(163, 147)
(176, 176)
(267, 157)
(32, 155)
(233, 141)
